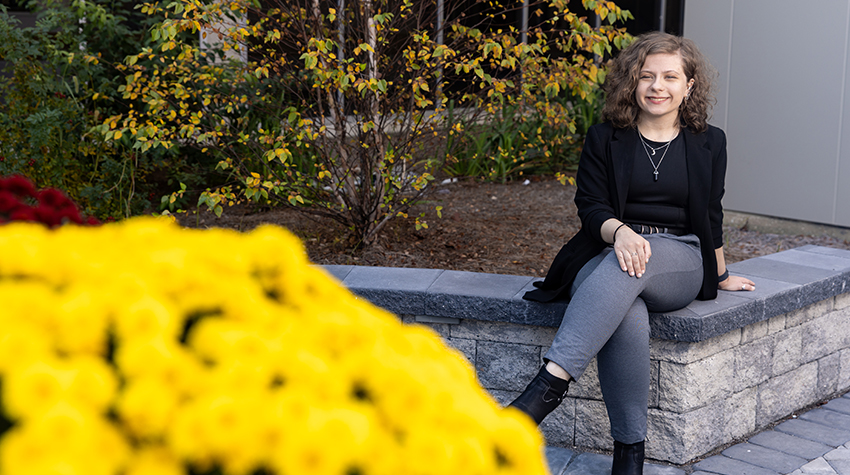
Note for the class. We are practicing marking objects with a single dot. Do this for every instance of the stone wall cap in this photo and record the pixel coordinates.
(785, 281)
(830, 262)
(391, 278)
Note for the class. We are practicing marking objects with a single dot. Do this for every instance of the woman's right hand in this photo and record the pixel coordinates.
(632, 251)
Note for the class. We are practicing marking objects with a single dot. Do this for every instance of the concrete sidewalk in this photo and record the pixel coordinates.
(816, 442)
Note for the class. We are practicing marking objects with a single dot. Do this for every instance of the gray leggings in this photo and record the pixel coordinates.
(608, 318)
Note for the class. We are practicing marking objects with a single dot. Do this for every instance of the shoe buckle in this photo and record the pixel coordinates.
(560, 398)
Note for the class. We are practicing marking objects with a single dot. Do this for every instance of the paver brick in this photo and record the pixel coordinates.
(727, 466)
(764, 457)
(827, 417)
(558, 458)
(653, 469)
(839, 459)
(790, 444)
(841, 453)
(818, 466)
(816, 432)
(589, 463)
(839, 405)
(841, 467)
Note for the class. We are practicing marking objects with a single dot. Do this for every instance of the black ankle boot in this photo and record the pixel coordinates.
(542, 395)
(628, 459)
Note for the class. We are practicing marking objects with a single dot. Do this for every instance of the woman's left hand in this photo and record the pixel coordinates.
(737, 283)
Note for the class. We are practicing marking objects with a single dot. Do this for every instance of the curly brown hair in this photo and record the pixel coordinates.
(621, 107)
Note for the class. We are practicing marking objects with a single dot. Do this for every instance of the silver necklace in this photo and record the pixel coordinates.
(655, 149)
(647, 148)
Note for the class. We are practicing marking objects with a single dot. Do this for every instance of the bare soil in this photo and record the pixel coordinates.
(511, 228)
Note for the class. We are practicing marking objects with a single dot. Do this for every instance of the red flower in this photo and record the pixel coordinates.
(18, 185)
(69, 212)
(8, 202)
(54, 207)
(48, 216)
(53, 197)
(23, 214)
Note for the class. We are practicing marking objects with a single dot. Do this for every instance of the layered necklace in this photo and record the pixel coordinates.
(650, 152)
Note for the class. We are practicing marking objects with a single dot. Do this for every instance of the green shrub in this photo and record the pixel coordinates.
(518, 141)
(57, 83)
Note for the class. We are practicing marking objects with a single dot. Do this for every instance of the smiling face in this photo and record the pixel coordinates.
(662, 86)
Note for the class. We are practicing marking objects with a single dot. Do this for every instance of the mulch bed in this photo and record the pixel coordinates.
(513, 228)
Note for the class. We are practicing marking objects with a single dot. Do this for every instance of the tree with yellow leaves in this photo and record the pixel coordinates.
(343, 109)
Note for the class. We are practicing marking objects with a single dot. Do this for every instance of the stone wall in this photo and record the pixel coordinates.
(720, 369)
(702, 395)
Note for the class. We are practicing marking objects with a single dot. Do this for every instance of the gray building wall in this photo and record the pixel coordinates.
(783, 99)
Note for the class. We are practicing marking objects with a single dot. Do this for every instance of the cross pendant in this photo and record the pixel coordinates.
(656, 175)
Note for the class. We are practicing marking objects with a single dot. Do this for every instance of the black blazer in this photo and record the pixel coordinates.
(604, 171)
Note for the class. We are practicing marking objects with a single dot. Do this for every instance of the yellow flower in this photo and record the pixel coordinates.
(22, 248)
(147, 318)
(21, 344)
(155, 460)
(222, 428)
(345, 427)
(225, 352)
(217, 339)
(147, 405)
(64, 440)
(160, 358)
(94, 385)
(81, 322)
(33, 389)
(83, 381)
(513, 435)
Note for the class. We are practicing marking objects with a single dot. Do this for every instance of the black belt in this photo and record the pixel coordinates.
(646, 229)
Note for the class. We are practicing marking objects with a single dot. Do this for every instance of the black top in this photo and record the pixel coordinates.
(603, 182)
(659, 199)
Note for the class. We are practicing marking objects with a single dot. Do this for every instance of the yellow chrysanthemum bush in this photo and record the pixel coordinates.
(142, 347)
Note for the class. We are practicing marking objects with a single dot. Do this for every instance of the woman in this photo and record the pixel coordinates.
(650, 182)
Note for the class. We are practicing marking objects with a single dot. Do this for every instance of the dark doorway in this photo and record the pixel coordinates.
(648, 15)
